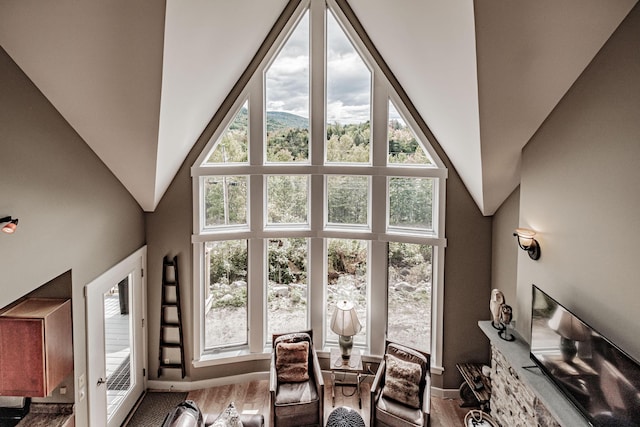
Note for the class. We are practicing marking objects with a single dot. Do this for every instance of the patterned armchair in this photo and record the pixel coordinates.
(401, 389)
(296, 386)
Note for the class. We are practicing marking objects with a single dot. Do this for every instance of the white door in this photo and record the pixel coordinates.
(116, 341)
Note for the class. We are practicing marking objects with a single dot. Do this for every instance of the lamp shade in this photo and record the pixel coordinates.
(568, 326)
(526, 236)
(345, 321)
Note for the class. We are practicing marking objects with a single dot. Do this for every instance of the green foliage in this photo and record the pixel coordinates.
(348, 199)
(288, 261)
(348, 143)
(234, 297)
(227, 261)
(225, 200)
(347, 257)
(411, 202)
(287, 199)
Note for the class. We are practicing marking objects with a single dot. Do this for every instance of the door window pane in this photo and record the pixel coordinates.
(287, 199)
(348, 99)
(411, 203)
(348, 200)
(287, 99)
(347, 280)
(226, 306)
(225, 201)
(409, 295)
(287, 286)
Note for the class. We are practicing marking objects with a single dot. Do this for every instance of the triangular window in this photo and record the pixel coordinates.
(404, 147)
(233, 144)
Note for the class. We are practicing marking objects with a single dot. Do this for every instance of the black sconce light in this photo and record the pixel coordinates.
(527, 242)
(10, 227)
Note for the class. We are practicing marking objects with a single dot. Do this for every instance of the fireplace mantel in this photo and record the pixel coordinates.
(516, 354)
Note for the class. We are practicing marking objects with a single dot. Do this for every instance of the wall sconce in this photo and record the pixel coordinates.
(527, 242)
(10, 227)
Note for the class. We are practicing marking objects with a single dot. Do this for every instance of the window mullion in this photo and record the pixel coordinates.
(378, 296)
(317, 66)
(380, 120)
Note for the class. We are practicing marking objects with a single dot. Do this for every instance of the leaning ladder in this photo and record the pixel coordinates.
(170, 318)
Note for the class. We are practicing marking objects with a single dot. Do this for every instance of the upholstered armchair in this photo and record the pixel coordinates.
(296, 386)
(401, 389)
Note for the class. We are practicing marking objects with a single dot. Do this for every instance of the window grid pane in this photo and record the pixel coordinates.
(411, 203)
(287, 288)
(287, 100)
(404, 148)
(225, 201)
(348, 200)
(287, 199)
(234, 142)
(348, 99)
(347, 280)
(409, 295)
(226, 307)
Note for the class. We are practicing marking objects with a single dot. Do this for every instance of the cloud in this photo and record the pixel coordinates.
(348, 78)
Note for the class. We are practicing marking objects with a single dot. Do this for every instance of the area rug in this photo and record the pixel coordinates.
(154, 408)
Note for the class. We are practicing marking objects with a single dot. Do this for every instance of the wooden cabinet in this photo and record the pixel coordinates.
(36, 347)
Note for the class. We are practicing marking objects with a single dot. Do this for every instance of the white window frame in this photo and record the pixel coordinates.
(378, 233)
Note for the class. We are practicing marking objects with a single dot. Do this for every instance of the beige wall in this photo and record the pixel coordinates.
(580, 192)
(74, 214)
(504, 259)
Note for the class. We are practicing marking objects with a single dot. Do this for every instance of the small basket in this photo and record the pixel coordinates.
(477, 418)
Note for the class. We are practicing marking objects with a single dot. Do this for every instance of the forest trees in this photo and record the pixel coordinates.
(347, 197)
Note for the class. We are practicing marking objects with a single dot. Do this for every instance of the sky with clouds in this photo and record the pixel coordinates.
(348, 78)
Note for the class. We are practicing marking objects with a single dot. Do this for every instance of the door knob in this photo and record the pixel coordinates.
(101, 381)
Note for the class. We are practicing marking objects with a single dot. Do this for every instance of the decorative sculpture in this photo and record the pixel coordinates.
(496, 302)
(506, 314)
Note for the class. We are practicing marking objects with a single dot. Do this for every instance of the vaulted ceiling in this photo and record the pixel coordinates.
(139, 80)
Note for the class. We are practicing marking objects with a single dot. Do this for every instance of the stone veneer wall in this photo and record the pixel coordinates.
(513, 404)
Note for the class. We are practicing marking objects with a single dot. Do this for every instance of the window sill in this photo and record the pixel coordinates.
(229, 356)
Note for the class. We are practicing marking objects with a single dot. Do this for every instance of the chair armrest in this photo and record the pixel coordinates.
(426, 399)
(376, 389)
(273, 376)
(378, 380)
(317, 374)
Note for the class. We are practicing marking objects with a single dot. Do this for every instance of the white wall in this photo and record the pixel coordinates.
(580, 192)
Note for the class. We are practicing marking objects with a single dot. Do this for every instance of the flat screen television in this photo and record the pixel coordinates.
(601, 380)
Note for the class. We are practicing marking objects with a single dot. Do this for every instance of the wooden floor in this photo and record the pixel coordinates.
(253, 398)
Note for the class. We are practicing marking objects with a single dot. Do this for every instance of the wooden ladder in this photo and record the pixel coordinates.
(170, 327)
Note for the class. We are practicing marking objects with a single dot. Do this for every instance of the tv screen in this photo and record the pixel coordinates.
(599, 378)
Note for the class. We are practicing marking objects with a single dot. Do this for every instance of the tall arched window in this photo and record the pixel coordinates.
(318, 187)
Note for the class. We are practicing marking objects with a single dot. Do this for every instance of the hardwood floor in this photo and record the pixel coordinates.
(253, 398)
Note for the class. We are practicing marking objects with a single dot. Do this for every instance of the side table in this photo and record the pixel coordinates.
(351, 366)
(476, 388)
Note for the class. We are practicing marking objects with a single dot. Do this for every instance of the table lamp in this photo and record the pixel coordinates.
(345, 324)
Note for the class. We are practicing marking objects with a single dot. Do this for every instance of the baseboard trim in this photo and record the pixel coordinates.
(445, 393)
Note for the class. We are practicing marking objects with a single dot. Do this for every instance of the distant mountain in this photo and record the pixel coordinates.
(279, 120)
(276, 121)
